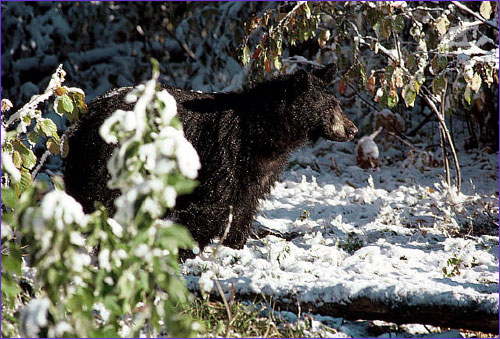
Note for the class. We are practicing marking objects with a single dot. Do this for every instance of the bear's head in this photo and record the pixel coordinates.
(330, 121)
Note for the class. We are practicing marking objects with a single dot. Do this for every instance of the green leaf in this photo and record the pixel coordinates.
(11, 264)
(10, 288)
(26, 118)
(46, 128)
(409, 96)
(305, 35)
(307, 10)
(9, 197)
(16, 158)
(485, 9)
(410, 61)
(468, 95)
(443, 61)
(372, 15)
(392, 99)
(58, 182)
(438, 85)
(155, 65)
(7, 146)
(176, 232)
(388, 71)
(399, 23)
(181, 184)
(143, 281)
(67, 103)
(386, 28)
(435, 65)
(32, 138)
(24, 183)
(27, 155)
(53, 146)
(59, 107)
(245, 59)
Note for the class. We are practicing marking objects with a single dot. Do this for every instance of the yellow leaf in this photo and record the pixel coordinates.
(485, 9)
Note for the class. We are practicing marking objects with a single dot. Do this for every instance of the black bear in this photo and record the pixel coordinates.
(243, 141)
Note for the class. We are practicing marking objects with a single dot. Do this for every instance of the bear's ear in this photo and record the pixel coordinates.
(327, 73)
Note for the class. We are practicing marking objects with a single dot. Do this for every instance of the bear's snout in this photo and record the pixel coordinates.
(351, 131)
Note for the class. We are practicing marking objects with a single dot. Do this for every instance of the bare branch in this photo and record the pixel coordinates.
(464, 8)
(448, 138)
(44, 158)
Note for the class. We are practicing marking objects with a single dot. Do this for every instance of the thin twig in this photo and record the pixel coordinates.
(414, 131)
(186, 49)
(443, 144)
(226, 305)
(404, 141)
(44, 158)
(214, 256)
(398, 48)
(362, 98)
(56, 81)
(226, 231)
(448, 138)
(446, 163)
(477, 16)
(289, 14)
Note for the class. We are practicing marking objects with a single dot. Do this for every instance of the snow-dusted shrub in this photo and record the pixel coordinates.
(404, 55)
(195, 43)
(133, 281)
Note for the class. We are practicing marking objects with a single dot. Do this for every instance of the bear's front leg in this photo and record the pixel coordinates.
(239, 228)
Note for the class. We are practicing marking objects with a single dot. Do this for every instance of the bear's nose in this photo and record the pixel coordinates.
(351, 131)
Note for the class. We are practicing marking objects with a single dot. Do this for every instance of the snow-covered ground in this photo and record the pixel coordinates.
(334, 232)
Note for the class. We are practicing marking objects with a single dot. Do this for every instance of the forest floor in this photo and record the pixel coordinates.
(391, 238)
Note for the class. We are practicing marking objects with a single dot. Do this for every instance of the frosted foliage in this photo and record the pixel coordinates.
(7, 163)
(103, 259)
(163, 150)
(170, 109)
(188, 160)
(62, 209)
(116, 228)
(103, 311)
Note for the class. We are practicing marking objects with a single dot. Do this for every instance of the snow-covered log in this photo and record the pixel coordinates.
(476, 315)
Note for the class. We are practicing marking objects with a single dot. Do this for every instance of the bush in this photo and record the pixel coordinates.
(441, 57)
(134, 284)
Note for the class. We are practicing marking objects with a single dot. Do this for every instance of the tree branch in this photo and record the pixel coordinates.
(477, 16)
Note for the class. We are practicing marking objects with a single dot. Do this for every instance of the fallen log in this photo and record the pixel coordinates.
(458, 312)
(471, 317)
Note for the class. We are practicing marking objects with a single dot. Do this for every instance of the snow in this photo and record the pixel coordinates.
(34, 317)
(63, 209)
(7, 162)
(116, 228)
(104, 260)
(385, 234)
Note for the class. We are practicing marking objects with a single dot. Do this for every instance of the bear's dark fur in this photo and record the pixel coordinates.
(243, 141)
